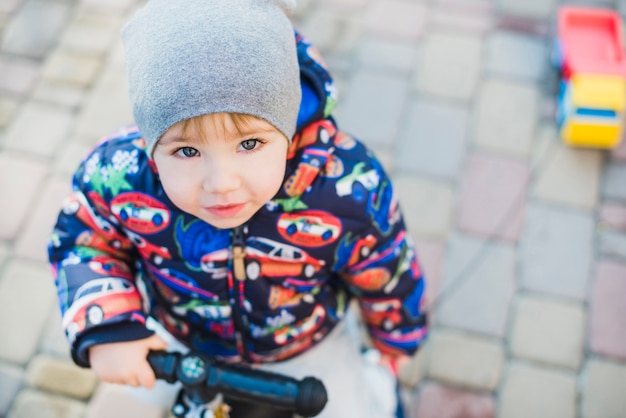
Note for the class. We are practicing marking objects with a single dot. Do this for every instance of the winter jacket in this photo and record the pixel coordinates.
(262, 292)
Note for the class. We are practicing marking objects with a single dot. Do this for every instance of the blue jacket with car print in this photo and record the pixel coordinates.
(262, 292)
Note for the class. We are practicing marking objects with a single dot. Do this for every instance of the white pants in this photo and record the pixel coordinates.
(355, 386)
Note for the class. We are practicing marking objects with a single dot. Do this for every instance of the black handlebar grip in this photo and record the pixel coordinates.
(164, 365)
(311, 398)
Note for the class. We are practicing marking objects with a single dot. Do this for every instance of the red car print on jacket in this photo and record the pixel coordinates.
(311, 228)
(149, 251)
(99, 300)
(76, 204)
(266, 257)
(216, 263)
(140, 212)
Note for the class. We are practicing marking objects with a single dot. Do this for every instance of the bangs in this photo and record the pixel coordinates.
(223, 124)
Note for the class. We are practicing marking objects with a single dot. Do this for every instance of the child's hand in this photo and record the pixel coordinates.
(394, 363)
(126, 362)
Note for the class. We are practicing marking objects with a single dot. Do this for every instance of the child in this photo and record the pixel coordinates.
(235, 214)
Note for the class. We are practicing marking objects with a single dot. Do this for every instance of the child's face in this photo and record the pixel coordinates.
(221, 172)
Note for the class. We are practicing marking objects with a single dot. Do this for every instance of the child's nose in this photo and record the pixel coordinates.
(221, 177)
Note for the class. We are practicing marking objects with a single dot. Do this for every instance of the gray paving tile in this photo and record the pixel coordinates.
(603, 388)
(59, 94)
(41, 138)
(505, 116)
(33, 240)
(549, 331)
(532, 391)
(385, 55)
(11, 380)
(612, 243)
(513, 54)
(20, 181)
(427, 205)
(48, 17)
(539, 9)
(473, 16)
(18, 75)
(465, 360)
(398, 18)
(91, 33)
(437, 401)
(331, 32)
(9, 6)
(8, 107)
(432, 140)
(26, 292)
(30, 403)
(449, 65)
(556, 251)
(106, 108)
(71, 68)
(607, 337)
(373, 107)
(117, 401)
(53, 341)
(477, 286)
(614, 181)
(566, 175)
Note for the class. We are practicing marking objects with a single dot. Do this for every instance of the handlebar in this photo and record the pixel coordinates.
(203, 378)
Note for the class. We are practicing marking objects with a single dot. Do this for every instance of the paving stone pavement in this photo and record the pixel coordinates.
(523, 239)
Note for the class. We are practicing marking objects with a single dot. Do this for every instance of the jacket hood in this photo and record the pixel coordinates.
(319, 94)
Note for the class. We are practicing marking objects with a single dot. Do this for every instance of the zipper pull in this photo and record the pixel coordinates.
(239, 253)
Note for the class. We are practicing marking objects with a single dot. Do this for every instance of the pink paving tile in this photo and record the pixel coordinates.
(607, 310)
(613, 215)
(436, 401)
(493, 196)
(18, 75)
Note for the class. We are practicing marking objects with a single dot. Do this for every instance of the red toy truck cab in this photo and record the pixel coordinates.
(590, 41)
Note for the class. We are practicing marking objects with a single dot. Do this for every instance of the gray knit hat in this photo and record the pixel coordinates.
(186, 58)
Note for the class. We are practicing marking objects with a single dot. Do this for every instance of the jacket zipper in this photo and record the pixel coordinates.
(239, 272)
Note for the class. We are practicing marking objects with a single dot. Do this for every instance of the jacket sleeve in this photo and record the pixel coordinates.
(384, 274)
(92, 262)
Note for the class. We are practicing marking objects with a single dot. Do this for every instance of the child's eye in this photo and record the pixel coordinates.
(187, 152)
(249, 144)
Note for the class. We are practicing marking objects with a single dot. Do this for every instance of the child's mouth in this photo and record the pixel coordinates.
(225, 211)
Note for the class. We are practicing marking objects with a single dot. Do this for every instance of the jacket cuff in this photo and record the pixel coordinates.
(114, 333)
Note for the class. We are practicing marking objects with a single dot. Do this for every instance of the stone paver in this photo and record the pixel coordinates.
(11, 380)
(106, 108)
(603, 388)
(34, 239)
(511, 54)
(433, 140)
(612, 244)
(91, 33)
(549, 331)
(567, 175)
(465, 360)
(556, 251)
(8, 107)
(449, 65)
(612, 215)
(505, 116)
(475, 16)
(27, 293)
(116, 401)
(477, 286)
(537, 9)
(20, 179)
(614, 180)
(48, 17)
(533, 391)
(18, 75)
(31, 403)
(53, 341)
(426, 204)
(71, 68)
(431, 260)
(386, 55)
(60, 376)
(66, 95)
(437, 401)
(493, 196)
(607, 335)
(398, 18)
(41, 138)
(373, 107)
